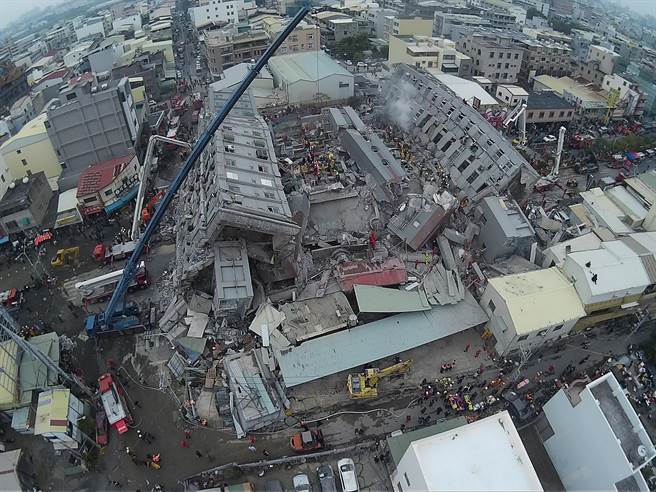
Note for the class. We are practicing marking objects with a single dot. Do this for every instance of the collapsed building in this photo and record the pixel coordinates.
(478, 159)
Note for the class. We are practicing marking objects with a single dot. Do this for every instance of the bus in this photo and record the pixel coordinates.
(101, 288)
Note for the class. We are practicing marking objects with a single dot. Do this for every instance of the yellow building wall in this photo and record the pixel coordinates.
(416, 27)
(40, 156)
(398, 51)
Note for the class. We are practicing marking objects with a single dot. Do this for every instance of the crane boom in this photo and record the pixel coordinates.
(203, 140)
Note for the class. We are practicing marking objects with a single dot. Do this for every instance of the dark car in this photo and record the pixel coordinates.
(519, 409)
(273, 486)
(326, 478)
(102, 428)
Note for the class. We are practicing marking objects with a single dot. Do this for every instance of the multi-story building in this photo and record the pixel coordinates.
(589, 103)
(58, 417)
(494, 56)
(594, 437)
(150, 66)
(237, 187)
(444, 22)
(548, 107)
(131, 22)
(542, 57)
(479, 158)
(92, 123)
(504, 8)
(599, 63)
(108, 185)
(217, 11)
(376, 17)
(631, 99)
(409, 25)
(30, 151)
(25, 204)
(226, 48)
(511, 95)
(13, 84)
(429, 52)
(305, 37)
(91, 27)
(521, 309)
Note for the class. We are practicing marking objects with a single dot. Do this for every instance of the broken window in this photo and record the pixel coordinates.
(269, 195)
(261, 154)
(230, 148)
(446, 146)
(472, 177)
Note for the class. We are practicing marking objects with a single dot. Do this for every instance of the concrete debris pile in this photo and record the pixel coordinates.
(304, 264)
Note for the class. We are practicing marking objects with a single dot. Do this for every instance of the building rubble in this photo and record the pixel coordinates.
(305, 240)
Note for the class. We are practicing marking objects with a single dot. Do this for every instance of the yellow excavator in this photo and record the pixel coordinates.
(365, 384)
(65, 256)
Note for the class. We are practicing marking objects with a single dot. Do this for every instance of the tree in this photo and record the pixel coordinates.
(352, 48)
(532, 12)
(563, 26)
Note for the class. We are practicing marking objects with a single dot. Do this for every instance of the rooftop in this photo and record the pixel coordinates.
(52, 411)
(531, 296)
(336, 352)
(547, 100)
(485, 455)
(20, 193)
(515, 90)
(613, 269)
(465, 89)
(33, 128)
(97, 176)
(306, 66)
(580, 90)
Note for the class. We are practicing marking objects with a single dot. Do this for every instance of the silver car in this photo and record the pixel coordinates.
(301, 483)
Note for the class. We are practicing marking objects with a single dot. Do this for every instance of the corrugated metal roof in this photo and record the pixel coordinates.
(315, 65)
(390, 272)
(354, 347)
(373, 299)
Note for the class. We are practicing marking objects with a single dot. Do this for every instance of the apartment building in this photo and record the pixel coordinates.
(305, 37)
(13, 84)
(493, 56)
(477, 156)
(226, 48)
(218, 11)
(418, 26)
(428, 52)
(24, 205)
(548, 107)
(599, 62)
(444, 22)
(543, 57)
(631, 99)
(91, 27)
(377, 19)
(91, 122)
(503, 7)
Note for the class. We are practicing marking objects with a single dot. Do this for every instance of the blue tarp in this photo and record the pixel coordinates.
(4, 239)
(632, 156)
(122, 202)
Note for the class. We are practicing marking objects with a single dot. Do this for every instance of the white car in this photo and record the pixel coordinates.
(301, 483)
(347, 475)
(549, 139)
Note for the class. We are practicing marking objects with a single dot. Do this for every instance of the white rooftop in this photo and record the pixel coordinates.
(465, 89)
(606, 212)
(612, 271)
(485, 455)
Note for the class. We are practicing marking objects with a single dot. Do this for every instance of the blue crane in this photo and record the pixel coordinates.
(126, 320)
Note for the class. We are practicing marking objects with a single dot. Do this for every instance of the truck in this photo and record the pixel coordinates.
(11, 299)
(114, 402)
(103, 254)
(124, 321)
(98, 289)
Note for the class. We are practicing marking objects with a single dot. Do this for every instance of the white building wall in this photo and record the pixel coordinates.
(583, 449)
(336, 87)
(88, 30)
(218, 11)
(133, 21)
(409, 474)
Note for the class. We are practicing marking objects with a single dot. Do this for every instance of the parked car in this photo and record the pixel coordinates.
(549, 139)
(273, 486)
(301, 483)
(102, 428)
(347, 475)
(326, 478)
(517, 407)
